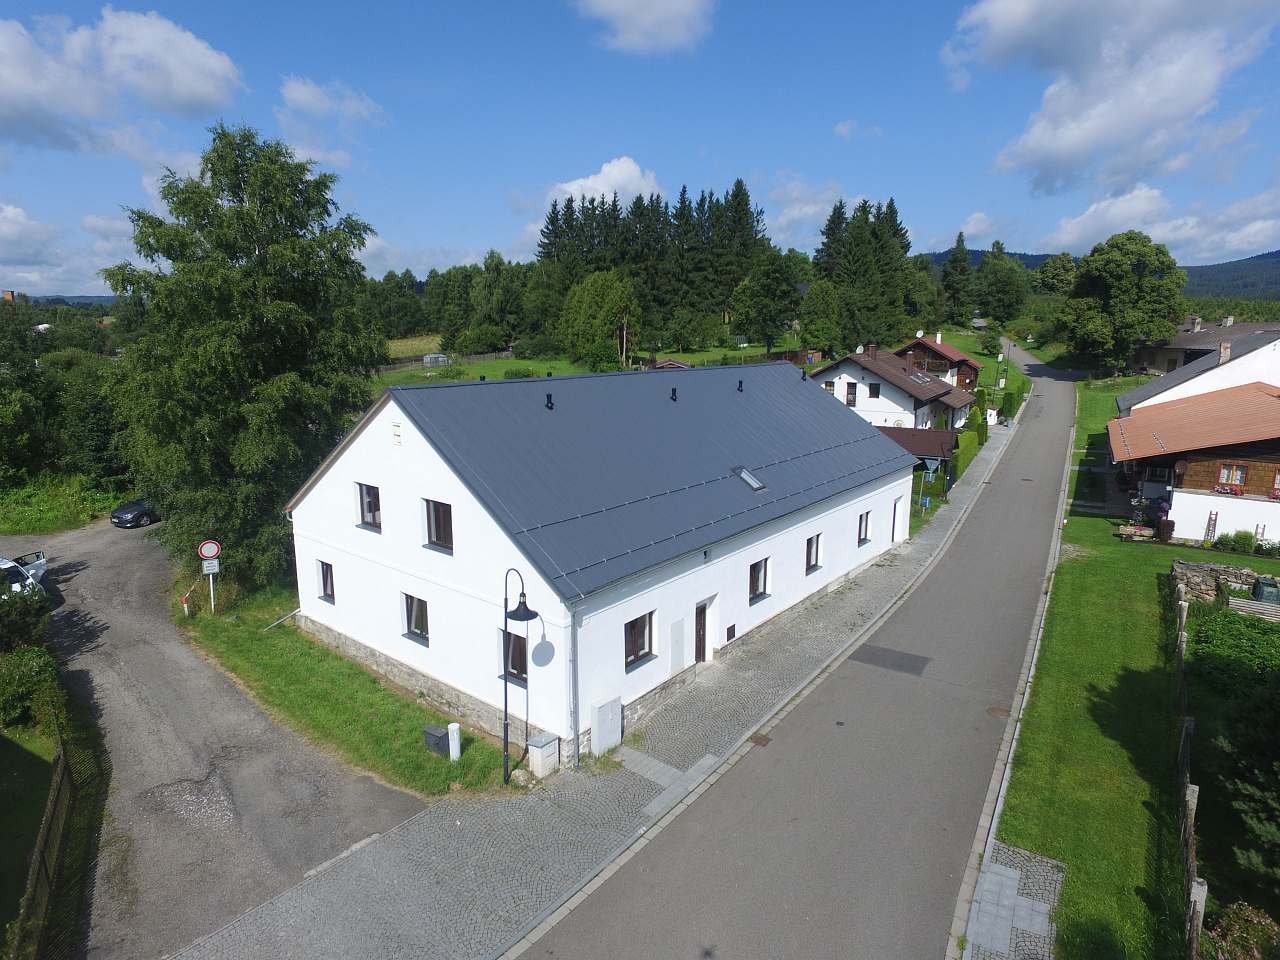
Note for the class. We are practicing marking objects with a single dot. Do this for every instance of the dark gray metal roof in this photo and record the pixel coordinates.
(1189, 371)
(618, 477)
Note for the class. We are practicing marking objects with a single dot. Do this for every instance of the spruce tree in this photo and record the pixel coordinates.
(957, 283)
(829, 250)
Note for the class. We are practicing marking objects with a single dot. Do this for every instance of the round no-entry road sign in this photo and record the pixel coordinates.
(209, 550)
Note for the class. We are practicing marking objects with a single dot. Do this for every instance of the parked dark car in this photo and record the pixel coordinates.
(135, 513)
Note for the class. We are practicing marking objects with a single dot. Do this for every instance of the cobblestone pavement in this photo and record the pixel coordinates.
(1016, 894)
(467, 876)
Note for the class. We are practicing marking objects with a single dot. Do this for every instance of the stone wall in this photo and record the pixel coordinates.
(1201, 579)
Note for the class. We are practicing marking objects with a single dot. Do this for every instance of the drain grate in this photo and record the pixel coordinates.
(760, 739)
(1000, 713)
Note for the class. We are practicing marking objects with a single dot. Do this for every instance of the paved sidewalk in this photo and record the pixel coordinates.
(467, 876)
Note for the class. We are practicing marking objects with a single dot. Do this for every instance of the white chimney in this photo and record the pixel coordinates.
(1196, 324)
(1224, 351)
(1228, 321)
(937, 337)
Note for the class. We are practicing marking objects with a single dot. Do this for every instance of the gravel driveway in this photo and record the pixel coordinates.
(213, 807)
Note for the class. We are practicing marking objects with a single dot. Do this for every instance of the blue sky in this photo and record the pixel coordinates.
(1048, 125)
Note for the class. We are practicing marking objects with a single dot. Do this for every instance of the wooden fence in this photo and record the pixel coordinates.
(44, 864)
(1195, 891)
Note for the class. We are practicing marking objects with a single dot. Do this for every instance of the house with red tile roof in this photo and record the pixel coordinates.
(887, 391)
(941, 360)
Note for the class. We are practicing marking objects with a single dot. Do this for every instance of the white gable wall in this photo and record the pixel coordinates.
(893, 408)
(1260, 365)
(463, 590)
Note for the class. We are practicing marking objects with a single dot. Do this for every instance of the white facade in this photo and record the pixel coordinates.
(1261, 365)
(1189, 510)
(892, 406)
(374, 569)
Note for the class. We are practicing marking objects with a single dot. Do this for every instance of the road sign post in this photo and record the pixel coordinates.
(208, 552)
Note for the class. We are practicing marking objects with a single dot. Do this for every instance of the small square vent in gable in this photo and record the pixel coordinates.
(395, 433)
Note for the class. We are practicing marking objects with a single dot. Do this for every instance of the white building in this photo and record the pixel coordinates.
(886, 391)
(655, 518)
(1255, 358)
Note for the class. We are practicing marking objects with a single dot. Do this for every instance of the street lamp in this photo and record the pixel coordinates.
(521, 614)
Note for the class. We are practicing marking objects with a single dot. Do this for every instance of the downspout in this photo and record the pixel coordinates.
(573, 681)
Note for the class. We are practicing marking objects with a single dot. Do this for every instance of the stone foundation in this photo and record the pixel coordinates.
(1201, 579)
(468, 710)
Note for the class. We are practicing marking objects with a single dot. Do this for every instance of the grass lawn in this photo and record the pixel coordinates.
(26, 764)
(332, 701)
(920, 516)
(1094, 774)
(490, 369)
(989, 375)
(49, 504)
(406, 347)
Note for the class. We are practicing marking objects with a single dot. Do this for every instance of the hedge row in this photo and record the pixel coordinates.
(966, 450)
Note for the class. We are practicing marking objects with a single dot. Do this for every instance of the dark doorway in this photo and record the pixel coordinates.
(700, 634)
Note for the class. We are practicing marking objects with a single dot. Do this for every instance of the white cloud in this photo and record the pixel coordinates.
(113, 236)
(1241, 229)
(23, 241)
(313, 115)
(977, 225)
(621, 175)
(651, 26)
(801, 208)
(845, 129)
(1128, 82)
(64, 87)
(380, 256)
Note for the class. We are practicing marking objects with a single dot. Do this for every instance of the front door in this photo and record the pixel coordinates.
(700, 634)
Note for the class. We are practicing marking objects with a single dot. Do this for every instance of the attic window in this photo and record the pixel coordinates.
(749, 478)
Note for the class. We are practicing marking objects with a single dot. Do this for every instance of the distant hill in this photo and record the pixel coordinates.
(1254, 278)
(73, 298)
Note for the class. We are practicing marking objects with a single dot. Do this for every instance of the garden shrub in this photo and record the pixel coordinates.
(30, 690)
(518, 373)
(1242, 932)
(1234, 653)
(966, 450)
(1242, 541)
(1252, 780)
(450, 372)
(24, 621)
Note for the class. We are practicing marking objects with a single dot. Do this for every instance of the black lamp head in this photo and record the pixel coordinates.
(522, 613)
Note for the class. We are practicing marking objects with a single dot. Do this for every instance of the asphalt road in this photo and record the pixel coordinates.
(213, 807)
(847, 834)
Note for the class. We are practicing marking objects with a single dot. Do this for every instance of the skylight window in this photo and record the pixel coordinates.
(749, 478)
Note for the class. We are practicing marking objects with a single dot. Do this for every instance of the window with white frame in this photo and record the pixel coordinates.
(1277, 482)
(637, 639)
(1233, 473)
(370, 506)
(829, 386)
(325, 571)
(415, 619)
(864, 528)
(439, 524)
(811, 553)
(758, 580)
(851, 394)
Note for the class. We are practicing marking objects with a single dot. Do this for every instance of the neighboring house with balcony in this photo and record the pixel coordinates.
(886, 391)
(1214, 456)
(655, 517)
(942, 361)
(1255, 358)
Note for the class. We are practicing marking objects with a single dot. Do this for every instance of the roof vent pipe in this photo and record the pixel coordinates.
(804, 374)
(482, 378)
(739, 386)
(673, 393)
(550, 404)
(548, 373)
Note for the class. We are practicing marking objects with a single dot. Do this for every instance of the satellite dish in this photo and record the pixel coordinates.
(859, 350)
(898, 423)
(1180, 467)
(919, 334)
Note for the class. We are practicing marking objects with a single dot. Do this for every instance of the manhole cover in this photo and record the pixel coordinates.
(760, 739)
(998, 712)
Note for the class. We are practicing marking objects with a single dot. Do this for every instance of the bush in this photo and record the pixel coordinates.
(1242, 932)
(537, 346)
(30, 689)
(518, 373)
(1242, 541)
(24, 621)
(989, 342)
(1252, 780)
(450, 372)
(966, 450)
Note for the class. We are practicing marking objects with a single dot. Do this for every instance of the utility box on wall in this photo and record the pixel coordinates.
(606, 725)
(544, 754)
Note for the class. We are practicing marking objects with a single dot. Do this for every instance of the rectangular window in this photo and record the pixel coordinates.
(517, 660)
(1158, 474)
(758, 577)
(1233, 473)
(851, 394)
(326, 581)
(873, 391)
(415, 619)
(439, 524)
(370, 507)
(811, 553)
(864, 528)
(1277, 483)
(829, 386)
(638, 639)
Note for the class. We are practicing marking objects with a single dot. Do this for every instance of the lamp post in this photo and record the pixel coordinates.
(521, 614)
